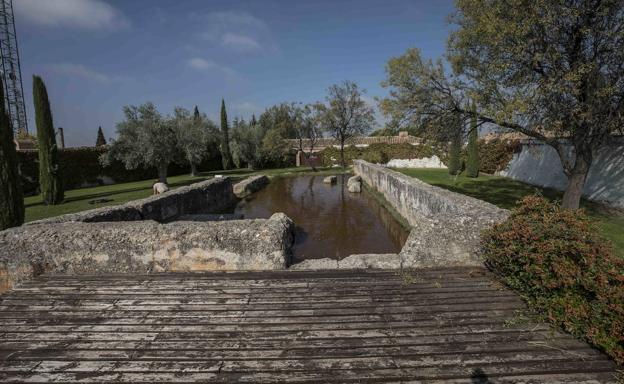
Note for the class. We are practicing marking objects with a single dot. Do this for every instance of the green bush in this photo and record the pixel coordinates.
(563, 268)
(495, 155)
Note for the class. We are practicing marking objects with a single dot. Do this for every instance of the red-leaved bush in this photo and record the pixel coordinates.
(564, 269)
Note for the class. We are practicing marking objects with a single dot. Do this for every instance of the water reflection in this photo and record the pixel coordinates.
(331, 222)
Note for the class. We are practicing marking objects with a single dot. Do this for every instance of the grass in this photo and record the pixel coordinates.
(505, 192)
(77, 200)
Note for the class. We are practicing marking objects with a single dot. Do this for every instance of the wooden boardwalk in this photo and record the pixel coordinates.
(445, 325)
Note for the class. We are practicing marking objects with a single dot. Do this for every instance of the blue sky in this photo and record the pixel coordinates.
(97, 56)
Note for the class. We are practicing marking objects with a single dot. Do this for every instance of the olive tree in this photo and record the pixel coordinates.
(552, 70)
(144, 138)
(194, 134)
(346, 114)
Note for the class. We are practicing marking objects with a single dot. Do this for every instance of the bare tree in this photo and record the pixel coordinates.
(346, 114)
(306, 124)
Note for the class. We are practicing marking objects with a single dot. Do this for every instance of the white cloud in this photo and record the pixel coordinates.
(83, 14)
(240, 42)
(80, 71)
(199, 63)
(237, 31)
(205, 64)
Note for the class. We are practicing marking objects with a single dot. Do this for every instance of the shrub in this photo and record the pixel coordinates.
(563, 268)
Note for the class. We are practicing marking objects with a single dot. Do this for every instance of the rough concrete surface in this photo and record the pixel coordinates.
(144, 247)
(446, 226)
(210, 196)
(250, 185)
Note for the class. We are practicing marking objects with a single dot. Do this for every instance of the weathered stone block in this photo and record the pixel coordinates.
(250, 185)
(144, 247)
(354, 184)
(330, 179)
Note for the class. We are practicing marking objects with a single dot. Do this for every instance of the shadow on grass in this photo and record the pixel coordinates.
(95, 195)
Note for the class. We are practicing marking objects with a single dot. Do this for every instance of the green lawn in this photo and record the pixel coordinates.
(77, 200)
(505, 192)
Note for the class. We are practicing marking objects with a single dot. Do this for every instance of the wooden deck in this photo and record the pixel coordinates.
(446, 325)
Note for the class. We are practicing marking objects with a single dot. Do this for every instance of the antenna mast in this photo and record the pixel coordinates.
(11, 71)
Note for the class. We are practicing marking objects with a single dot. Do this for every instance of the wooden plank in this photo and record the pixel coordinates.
(282, 326)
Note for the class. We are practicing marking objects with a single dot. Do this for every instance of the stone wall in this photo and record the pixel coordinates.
(143, 247)
(539, 164)
(210, 196)
(446, 226)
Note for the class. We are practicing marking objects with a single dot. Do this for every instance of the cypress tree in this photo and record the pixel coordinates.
(454, 167)
(226, 155)
(472, 164)
(50, 182)
(196, 115)
(100, 141)
(253, 121)
(11, 198)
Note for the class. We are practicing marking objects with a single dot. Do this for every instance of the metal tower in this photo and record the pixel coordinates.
(10, 70)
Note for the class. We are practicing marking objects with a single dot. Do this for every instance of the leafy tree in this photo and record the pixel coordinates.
(244, 144)
(144, 138)
(346, 114)
(551, 70)
(50, 181)
(226, 155)
(193, 136)
(473, 162)
(11, 198)
(100, 141)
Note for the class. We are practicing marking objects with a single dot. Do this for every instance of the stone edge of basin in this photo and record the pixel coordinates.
(250, 185)
(445, 226)
(142, 247)
(209, 196)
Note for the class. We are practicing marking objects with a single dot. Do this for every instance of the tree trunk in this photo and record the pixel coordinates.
(193, 169)
(342, 161)
(576, 182)
(162, 173)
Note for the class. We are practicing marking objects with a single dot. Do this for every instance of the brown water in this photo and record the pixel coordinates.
(330, 221)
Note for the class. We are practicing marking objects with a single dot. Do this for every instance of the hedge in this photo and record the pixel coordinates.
(81, 167)
(382, 153)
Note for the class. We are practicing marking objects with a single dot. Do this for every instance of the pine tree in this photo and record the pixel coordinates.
(226, 155)
(196, 115)
(11, 198)
(454, 167)
(472, 164)
(100, 141)
(253, 121)
(50, 182)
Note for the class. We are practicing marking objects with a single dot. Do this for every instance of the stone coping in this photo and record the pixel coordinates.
(144, 247)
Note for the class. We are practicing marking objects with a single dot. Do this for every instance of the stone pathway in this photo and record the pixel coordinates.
(443, 325)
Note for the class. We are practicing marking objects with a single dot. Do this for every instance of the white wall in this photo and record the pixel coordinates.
(539, 164)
